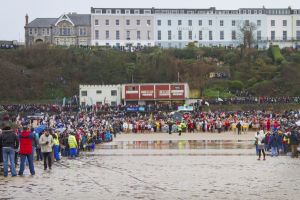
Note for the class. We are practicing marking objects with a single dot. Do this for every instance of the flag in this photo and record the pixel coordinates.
(76, 100)
(151, 117)
(64, 101)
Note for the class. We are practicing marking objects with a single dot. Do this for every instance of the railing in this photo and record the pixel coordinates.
(279, 39)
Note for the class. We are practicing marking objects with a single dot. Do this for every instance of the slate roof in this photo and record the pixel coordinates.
(77, 19)
(42, 22)
(80, 19)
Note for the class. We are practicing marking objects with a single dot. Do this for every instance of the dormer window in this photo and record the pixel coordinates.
(147, 11)
(108, 11)
(118, 11)
(127, 12)
(136, 12)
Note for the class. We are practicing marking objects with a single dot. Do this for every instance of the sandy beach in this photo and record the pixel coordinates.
(161, 166)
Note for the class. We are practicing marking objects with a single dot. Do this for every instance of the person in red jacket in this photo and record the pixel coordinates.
(26, 138)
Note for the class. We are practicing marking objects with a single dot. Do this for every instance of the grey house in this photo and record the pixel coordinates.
(68, 29)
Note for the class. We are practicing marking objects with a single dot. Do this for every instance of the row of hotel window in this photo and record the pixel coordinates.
(190, 22)
(194, 37)
(138, 22)
(273, 12)
(128, 35)
(178, 11)
(233, 35)
(221, 22)
(118, 11)
(84, 93)
(62, 31)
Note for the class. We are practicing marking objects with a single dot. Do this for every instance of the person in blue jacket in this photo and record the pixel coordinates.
(273, 144)
(279, 142)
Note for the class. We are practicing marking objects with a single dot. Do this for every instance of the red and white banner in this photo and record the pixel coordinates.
(154, 91)
(132, 92)
(147, 91)
(177, 91)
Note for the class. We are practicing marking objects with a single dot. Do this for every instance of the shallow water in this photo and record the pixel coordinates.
(162, 170)
(180, 144)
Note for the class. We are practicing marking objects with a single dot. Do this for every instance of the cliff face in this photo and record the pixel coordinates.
(43, 72)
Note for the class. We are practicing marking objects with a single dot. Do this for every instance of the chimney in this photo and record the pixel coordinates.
(26, 19)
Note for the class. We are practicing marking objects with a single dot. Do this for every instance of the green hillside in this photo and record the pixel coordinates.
(44, 72)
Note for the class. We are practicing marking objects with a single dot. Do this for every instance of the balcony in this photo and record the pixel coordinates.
(279, 39)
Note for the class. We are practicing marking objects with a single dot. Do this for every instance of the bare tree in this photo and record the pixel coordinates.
(246, 34)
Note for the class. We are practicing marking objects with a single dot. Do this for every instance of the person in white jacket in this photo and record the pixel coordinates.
(46, 142)
(260, 138)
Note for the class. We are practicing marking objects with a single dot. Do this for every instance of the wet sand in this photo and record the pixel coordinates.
(162, 169)
(185, 136)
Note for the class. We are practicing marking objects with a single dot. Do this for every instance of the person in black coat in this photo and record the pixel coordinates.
(239, 128)
(294, 143)
(1, 156)
(10, 142)
(170, 125)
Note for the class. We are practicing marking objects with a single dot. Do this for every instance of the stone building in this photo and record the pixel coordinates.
(68, 29)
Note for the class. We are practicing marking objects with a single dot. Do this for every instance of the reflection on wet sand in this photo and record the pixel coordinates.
(180, 144)
(191, 169)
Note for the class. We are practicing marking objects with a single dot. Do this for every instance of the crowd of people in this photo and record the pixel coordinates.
(253, 100)
(73, 107)
(277, 142)
(59, 132)
(53, 137)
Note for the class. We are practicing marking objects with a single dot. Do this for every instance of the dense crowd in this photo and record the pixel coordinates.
(58, 132)
(254, 100)
(73, 107)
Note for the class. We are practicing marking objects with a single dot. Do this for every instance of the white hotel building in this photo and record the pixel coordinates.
(175, 28)
(122, 27)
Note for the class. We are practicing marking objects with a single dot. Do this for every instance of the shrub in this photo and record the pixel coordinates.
(277, 56)
(235, 85)
(212, 93)
(295, 57)
(231, 58)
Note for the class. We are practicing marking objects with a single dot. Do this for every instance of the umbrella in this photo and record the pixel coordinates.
(219, 99)
(60, 130)
(40, 129)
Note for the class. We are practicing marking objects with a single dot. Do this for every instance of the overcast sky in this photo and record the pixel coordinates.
(12, 14)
